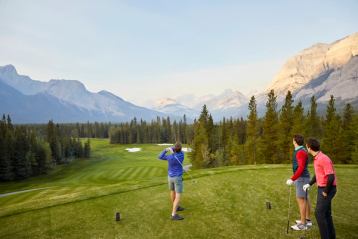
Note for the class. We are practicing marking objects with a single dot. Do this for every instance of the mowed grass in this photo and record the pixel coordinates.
(80, 200)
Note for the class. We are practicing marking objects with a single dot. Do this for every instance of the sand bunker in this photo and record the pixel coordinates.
(133, 150)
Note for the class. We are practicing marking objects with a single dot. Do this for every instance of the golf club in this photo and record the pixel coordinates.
(305, 233)
(289, 207)
(186, 171)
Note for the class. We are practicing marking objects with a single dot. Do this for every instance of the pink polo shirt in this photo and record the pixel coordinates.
(323, 166)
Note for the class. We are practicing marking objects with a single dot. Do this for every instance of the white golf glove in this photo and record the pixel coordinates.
(306, 187)
(289, 182)
(169, 150)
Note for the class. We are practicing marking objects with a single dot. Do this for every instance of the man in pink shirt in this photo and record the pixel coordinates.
(325, 177)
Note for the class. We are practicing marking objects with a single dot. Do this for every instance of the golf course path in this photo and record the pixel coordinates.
(22, 191)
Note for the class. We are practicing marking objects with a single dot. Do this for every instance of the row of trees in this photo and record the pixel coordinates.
(269, 139)
(160, 130)
(65, 148)
(24, 153)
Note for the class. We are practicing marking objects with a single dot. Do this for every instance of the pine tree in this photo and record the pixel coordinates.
(332, 140)
(43, 157)
(6, 173)
(233, 148)
(252, 132)
(268, 146)
(355, 146)
(285, 129)
(313, 124)
(348, 134)
(200, 156)
(87, 149)
(22, 163)
(53, 141)
(298, 120)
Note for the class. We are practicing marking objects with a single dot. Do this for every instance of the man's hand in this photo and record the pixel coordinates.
(306, 187)
(324, 194)
(169, 150)
(289, 182)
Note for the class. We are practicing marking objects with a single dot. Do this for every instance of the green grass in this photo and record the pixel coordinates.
(229, 202)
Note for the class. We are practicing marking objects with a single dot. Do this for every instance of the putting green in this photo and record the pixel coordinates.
(80, 200)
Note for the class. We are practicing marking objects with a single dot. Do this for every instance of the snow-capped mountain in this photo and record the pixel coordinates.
(224, 104)
(226, 100)
(89, 106)
(171, 106)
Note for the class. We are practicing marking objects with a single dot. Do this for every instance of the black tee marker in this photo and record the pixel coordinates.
(118, 216)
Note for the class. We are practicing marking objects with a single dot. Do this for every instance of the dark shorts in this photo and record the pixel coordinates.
(299, 186)
(175, 184)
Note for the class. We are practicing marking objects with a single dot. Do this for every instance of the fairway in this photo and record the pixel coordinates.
(80, 200)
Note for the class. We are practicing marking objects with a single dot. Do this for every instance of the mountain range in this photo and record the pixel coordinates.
(321, 70)
(31, 101)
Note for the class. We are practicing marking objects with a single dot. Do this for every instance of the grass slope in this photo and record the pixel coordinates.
(82, 198)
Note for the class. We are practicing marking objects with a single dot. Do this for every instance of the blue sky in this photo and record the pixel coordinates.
(143, 50)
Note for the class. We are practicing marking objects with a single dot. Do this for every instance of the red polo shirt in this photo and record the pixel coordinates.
(323, 166)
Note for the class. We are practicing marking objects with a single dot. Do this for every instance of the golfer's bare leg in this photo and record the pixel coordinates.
(176, 203)
(172, 196)
(308, 209)
(301, 206)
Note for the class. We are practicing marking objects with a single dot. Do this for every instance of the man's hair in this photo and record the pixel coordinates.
(299, 139)
(313, 144)
(177, 147)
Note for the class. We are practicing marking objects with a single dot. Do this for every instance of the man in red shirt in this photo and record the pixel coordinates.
(325, 177)
(300, 177)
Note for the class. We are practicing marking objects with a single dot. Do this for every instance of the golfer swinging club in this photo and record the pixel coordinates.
(300, 177)
(175, 176)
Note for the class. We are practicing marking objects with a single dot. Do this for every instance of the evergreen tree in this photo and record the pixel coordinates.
(268, 146)
(298, 120)
(53, 141)
(313, 124)
(285, 130)
(348, 134)
(22, 163)
(87, 149)
(252, 132)
(200, 155)
(6, 171)
(43, 157)
(332, 140)
(355, 146)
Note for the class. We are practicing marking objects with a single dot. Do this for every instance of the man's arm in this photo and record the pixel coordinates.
(329, 185)
(313, 180)
(162, 155)
(301, 160)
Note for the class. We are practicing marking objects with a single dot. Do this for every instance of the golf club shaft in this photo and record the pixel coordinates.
(191, 177)
(288, 210)
(306, 203)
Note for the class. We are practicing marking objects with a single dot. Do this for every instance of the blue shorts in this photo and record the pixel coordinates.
(299, 186)
(175, 184)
